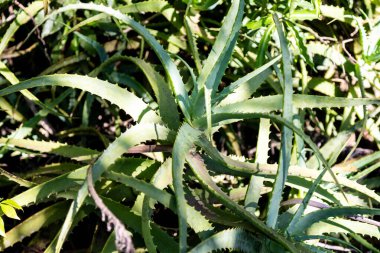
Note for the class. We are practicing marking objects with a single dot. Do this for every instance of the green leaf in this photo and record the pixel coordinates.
(263, 45)
(304, 52)
(62, 149)
(9, 211)
(166, 102)
(155, 6)
(245, 109)
(331, 177)
(109, 246)
(309, 219)
(182, 145)
(304, 15)
(160, 6)
(14, 80)
(195, 220)
(217, 61)
(329, 149)
(340, 225)
(326, 238)
(198, 167)
(130, 138)
(257, 24)
(27, 127)
(11, 203)
(203, 5)
(22, 18)
(174, 77)
(10, 110)
(94, 45)
(34, 223)
(251, 201)
(127, 101)
(16, 179)
(335, 12)
(58, 184)
(2, 229)
(323, 86)
(192, 42)
(245, 86)
(231, 239)
(287, 134)
(164, 242)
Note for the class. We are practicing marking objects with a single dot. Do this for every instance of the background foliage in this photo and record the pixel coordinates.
(189, 126)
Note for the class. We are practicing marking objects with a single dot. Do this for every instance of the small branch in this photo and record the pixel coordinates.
(364, 220)
(299, 201)
(149, 148)
(7, 19)
(123, 236)
(332, 247)
(38, 32)
(9, 55)
(350, 57)
(123, 241)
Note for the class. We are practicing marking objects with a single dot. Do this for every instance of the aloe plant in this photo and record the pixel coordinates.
(176, 117)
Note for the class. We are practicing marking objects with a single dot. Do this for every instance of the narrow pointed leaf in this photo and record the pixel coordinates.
(9, 211)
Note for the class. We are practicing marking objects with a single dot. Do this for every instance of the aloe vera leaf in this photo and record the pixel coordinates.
(308, 141)
(192, 41)
(109, 246)
(64, 63)
(184, 142)
(231, 239)
(204, 178)
(244, 87)
(128, 102)
(256, 183)
(83, 213)
(217, 61)
(287, 134)
(323, 214)
(169, 66)
(246, 109)
(196, 221)
(364, 242)
(11, 110)
(62, 149)
(14, 80)
(164, 242)
(51, 187)
(52, 168)
(128, 139)
(166, 102)
(329, 149)
(160, 179)
(146, 225)
(326, 238)
(158, 6)
(247, 169)
(340, 225)
(20, 20)
(11, 177)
